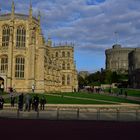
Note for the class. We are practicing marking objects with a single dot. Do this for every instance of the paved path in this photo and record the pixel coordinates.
(123, 96)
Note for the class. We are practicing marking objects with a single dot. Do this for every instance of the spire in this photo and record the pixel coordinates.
(39, 17)
(13, 9)
(30, 10)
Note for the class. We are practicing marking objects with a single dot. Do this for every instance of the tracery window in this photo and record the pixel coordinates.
(68, 66)
(19, 67)
(63, 54)
(4, 64)
(68, 54)
(68, 79)
(63, 80)
(56, 54)
(5, 36)
(63, 65)
(21, 37)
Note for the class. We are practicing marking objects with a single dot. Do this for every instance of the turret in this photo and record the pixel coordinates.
(13, 10)
(39, 17)
(30, 10)
(49, 41)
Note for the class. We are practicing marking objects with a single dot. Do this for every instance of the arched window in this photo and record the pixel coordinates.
(4, 64)
(68, 66)
(5, 36)
(56, 54)
(68, 80)
(63, 66)
(19, 67)
(63, 54)
(68, 54)
(63, 80)
(21, 37)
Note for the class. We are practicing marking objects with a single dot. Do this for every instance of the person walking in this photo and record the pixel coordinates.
(1, 102)
(36, 102)
(125, 94)
(12, 101)
(11, 91)
(33, 88)
(27, 102)
(20, 102)
(2, 87)
(42, 102)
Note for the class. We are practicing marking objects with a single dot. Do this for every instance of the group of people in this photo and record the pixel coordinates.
(31, 103)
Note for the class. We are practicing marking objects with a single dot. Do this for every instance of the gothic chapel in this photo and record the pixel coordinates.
(26, 59)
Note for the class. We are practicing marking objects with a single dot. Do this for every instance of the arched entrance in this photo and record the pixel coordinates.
(1, 84)
(1, 81)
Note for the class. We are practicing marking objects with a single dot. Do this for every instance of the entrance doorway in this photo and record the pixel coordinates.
(1, 84)
(1, 81)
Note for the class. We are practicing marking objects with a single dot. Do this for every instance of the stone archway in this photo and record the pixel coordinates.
(1, 81)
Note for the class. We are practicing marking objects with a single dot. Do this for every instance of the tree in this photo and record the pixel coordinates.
(82, 82)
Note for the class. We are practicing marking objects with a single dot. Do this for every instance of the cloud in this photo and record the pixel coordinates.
(89, 23)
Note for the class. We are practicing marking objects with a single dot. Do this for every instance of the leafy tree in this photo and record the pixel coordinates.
(82, 82)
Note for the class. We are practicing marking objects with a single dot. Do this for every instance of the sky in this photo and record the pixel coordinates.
(92, 25)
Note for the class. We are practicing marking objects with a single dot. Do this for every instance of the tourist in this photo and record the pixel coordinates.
(42, 102)
(1, 102)
(36, 102)
(33, 88)
(11, 91)
(12, 101)
(2, 87)
(27, 102)
(20, 102)
(125, 94)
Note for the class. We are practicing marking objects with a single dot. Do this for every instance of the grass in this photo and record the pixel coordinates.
(130, 92)
(100, 97)
(65, 100)
(135, 93)
(62, 98)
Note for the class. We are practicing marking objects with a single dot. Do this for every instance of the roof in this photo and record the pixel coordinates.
(17, 16)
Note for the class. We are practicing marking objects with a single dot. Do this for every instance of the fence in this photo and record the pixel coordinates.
(58, 112)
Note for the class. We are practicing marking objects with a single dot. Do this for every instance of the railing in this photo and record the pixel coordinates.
(75, 113)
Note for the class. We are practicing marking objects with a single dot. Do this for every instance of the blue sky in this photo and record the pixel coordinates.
(90, 24)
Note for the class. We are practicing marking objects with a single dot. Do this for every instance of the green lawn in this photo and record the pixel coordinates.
(130, 92)
(135, 93)
(99, 97)
(65, 100)
(62, 98)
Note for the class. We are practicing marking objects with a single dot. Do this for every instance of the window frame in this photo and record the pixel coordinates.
(20, 37)
(19, 67)
(5, 35)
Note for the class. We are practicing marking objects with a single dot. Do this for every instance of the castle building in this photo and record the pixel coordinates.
(26, 59)
(134, 68)
(125, 61)
(117, 59)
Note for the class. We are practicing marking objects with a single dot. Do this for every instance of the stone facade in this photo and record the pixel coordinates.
(134, 68)
(117, 58)
(26, 59)
(125, 60)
